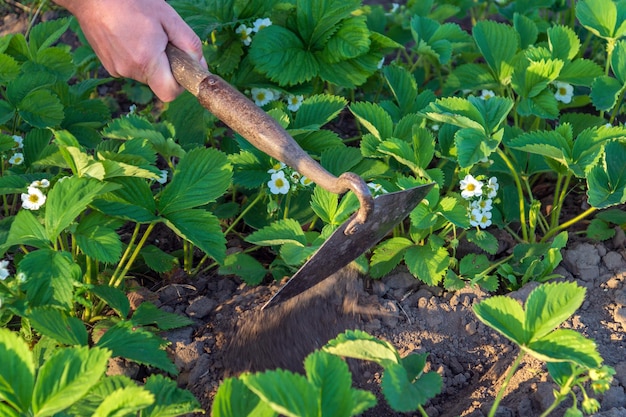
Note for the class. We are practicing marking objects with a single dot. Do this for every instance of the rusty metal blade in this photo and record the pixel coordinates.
(341, 249)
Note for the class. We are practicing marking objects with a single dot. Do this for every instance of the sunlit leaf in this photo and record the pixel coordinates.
(16, 352)
(505, 315)
(66, 377)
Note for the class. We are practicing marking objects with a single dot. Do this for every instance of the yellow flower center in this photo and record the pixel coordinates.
(470, 187)
(562, 91)
(33, 198)
(279, 183)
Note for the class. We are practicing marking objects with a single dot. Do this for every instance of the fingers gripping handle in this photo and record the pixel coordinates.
(261, 130)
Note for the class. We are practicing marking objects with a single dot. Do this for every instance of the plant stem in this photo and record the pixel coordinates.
(133, 257)
(506, 382)
(520, 193)
(125, 255)
(422, 411)
(568, 223)
(558, 203)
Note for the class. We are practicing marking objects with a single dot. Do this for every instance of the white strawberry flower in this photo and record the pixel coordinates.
(261, 24)
(278, 183)
(262, 96)
(564, 92)
(471, 187)
(244, 32)
(33, 199)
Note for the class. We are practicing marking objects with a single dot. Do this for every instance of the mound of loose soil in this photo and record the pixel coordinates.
(232, 335)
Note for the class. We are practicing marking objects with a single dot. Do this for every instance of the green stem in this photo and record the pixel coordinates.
(558, 204)
(125, 255)
(568, 223)
(422, 411)
(228, 230)
(520, 194)
(505, 384)
(133, 257)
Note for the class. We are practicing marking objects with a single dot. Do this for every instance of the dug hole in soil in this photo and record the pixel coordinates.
(471, 358)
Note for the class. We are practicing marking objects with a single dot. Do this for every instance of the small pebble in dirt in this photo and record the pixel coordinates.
(200, 307)
(583, 260)
(471, 328)
(613, 261)
(613, 398)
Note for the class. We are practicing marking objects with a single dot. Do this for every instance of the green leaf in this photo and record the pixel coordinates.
(453, 210)
(331, 377)
(403, 87)
(55, 60)
(278, 233)
(549, 305)
(599, 230)
(473, 146)
(605, 91)
(349, 41)
(136, 344)
(201, 228)
(66, 377)
(505, 315)
(97, 240)
(405, 395)
(26, 230)
(532, 77)
(429, 263)
(527, 30)
(470, 76)
(401, 151)
(387, 255)
(200, 177)
(602, 17)
(318, 110)
(550, 144)
(287, 393)
(618, 61)
(147, 314)
(374, 118)
(7, 112)
(14, 351)
(473, 264)
(358, 344)
(544, 105)
(169, 399)
(114, 297)
(234, 399)
(58, 325)
(9, 68)
(564, 43)
(157, 259)
(245, 266)
(456, 111)
(484, 240)
(498, 43)
(340, 159)
(40, 108)
(45, 34)
(325, 205)
(580, 72)
(124, 401)
(281, 55)
(566, 345)
(50, 277)
(133, 201)
(606, 182)
(317, 20)
(67, 199)
(424, 32)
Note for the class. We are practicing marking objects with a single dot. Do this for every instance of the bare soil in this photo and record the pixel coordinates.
(471, 358)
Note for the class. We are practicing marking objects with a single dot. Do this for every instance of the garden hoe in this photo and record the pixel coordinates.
(375, 217)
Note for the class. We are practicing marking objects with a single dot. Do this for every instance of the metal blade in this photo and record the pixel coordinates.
(341, 249)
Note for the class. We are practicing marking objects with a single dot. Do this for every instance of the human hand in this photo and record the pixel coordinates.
(130, 36)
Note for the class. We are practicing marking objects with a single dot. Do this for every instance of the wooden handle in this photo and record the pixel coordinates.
(261, 130)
